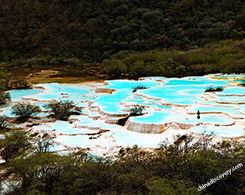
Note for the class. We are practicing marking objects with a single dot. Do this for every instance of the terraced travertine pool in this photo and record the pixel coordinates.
(170, 105)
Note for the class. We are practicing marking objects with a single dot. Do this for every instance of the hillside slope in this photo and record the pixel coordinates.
(95, 29)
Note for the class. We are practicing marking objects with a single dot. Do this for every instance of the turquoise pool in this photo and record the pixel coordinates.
(64, 127)
(167, 100)
(128, 84)
(156, 117)
(207, 108)
(16, 95)
(228, 131)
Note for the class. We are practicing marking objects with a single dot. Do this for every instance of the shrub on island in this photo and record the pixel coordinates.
(63, 109)
(213, 89)
(137, 110)
(25, 110)
(136, 88)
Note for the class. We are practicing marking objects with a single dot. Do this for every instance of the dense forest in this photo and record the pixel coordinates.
(180, 168)
(225, 56)
(94, 30)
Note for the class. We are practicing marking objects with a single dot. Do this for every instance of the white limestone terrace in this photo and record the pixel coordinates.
(171, 105)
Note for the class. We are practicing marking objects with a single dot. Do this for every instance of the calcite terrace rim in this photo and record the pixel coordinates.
(96, 113)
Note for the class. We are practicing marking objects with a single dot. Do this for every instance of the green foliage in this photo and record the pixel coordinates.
(63, 109)
(25, 110)
(3, 122)
(114, 68)
(95, 30)
(136, 88)
(14, 144)
(4, 97)
(20, 84)
(137, 110)
(157, 185)
(2, 73)
(224, 57)
(212, 89)
(44, 144)
(6, 82)
(137, 69)
(39, 172)
(172, 169)
(180, 70)
(225, 144)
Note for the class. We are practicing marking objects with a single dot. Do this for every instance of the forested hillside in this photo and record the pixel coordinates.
(93, 30)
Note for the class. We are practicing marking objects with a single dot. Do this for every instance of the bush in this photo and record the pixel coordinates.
(158, 185)
(137, 69)
(172, 169)
(114, 68)
(4, 82)
(212, 89)
(4, 98)
(44, 144)
(139, 87)
(20, 84)
(14, 144)
(137, 110)
(25, 110)
(3, 122)
(63, 109)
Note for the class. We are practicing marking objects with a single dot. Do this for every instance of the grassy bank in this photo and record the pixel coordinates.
(225, 57)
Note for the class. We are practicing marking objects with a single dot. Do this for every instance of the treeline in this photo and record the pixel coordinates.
(224, 57)
(93, 30)
(181, 168)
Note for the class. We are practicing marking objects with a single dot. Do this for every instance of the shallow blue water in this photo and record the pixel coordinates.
(193, 91)
(73, 92)
(156, 117)
(240, 81)
(170, 95)
(82, 141)
(220, 130)
(16, 95)
(231, 99)
(7, 110)
(128, 84)
(196, 81)
(157, 106)
(110, 102)
(228, 110)
(65, 127)
(185, 91)
(234, 90)
(207, 118)
(130, 138)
